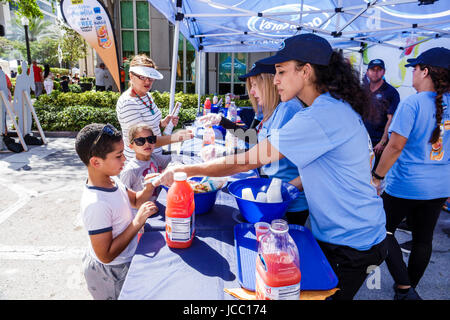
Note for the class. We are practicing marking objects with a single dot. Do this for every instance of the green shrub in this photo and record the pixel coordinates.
(72, 111)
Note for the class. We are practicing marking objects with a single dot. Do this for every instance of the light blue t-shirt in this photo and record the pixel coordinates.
(283, 169)
(329, 144)
(421, 173)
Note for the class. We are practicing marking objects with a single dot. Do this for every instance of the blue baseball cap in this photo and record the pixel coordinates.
(258, 68)
(435, 57)
(376, 63)
(306, 47)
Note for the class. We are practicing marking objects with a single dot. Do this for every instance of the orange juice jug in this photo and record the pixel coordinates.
(277, 265)
(180, 224)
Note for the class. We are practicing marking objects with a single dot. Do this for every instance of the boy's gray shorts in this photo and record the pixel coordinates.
(104, 281)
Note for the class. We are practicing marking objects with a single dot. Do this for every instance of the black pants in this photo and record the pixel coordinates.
(422, 215)
(351, 266)
(297, 217)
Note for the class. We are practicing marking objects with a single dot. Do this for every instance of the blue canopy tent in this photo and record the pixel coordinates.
(258, 26)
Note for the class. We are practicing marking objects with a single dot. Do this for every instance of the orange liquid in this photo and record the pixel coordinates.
(180, 208)
(277, 271)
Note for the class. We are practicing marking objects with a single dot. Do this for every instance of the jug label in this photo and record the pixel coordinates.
(265, 292)
(179, 229)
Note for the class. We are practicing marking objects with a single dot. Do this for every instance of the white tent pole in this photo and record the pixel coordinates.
(176, 37)
(199, 74)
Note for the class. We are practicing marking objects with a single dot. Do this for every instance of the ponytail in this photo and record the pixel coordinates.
(342, 82)
(441, 82)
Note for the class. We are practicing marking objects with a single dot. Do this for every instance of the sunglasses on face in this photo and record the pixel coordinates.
(142, 78)
(141, 141)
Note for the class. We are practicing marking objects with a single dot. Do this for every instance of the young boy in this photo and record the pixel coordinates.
(142, 141)
(106, 210)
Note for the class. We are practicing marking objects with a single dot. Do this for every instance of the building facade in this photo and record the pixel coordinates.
(140, 28)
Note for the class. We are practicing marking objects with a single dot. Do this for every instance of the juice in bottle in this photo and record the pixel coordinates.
(277, 265)
(209, 136)
(207, 107)
(180, 224)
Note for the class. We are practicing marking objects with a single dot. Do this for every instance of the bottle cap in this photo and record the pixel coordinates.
(180, 176)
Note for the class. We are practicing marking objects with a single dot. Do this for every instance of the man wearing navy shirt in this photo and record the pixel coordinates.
(384, 101)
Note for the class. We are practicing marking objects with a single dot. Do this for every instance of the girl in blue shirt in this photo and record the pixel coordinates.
(275, 114)
(329, 145)
(417, 163)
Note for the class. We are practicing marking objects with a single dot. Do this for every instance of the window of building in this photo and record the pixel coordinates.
(185, 67)
(231, 66)
(134, 30)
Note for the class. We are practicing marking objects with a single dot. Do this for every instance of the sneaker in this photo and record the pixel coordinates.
(410, 295)
(406, 246)
(403, 226)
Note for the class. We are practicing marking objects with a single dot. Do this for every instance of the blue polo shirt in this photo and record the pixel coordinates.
(422, 171)
(331, 149)
(283, 169)
(384, 101)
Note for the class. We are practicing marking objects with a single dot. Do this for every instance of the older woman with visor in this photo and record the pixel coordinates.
(136, 105)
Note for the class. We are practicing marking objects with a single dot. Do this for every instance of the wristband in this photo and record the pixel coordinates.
(376, 176)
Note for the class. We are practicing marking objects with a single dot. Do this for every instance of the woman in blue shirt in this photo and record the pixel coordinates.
(417, 163)
(329, 145)
(276, 114)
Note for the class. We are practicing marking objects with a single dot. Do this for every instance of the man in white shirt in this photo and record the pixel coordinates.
(100, 77)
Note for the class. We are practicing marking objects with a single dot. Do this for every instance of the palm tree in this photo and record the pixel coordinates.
(38, 29)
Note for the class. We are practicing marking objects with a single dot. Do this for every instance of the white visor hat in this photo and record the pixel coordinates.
(146, 72)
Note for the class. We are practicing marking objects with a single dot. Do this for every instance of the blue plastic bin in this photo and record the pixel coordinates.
(203, 201)
(254, 211)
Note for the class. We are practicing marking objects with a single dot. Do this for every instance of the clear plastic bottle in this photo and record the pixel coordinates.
(277, 265)
(232, 112)
(274, 191)
(231, 142)
(208, 136)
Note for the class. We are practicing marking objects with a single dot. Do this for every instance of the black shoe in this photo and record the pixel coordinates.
(32, 140)
(403, 226)
(411, 294)
(12, 145)
(406, 246)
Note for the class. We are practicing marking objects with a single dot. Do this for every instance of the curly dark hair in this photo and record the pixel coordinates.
(441, 81)
(84, 143)
(341, 80)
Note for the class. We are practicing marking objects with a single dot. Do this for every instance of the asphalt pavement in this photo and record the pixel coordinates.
(42, 239)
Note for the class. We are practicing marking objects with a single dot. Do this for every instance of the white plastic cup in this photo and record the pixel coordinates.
(247, 194)
(261, 197)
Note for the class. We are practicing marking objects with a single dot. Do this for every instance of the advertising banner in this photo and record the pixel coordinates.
(91, 20)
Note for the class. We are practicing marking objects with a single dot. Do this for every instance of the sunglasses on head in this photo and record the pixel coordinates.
(107, 129)
(141, 141)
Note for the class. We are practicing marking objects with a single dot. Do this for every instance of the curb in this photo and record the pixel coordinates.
(50, 134)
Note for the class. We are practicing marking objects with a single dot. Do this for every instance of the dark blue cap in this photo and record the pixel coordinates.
(305, 47)
(435, 57)
(258, 68)
(376, 63)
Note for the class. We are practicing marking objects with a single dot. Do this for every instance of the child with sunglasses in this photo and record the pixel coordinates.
(142, 141)
(106, 211)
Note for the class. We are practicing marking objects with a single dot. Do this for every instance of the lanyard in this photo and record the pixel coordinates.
(145, 104)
